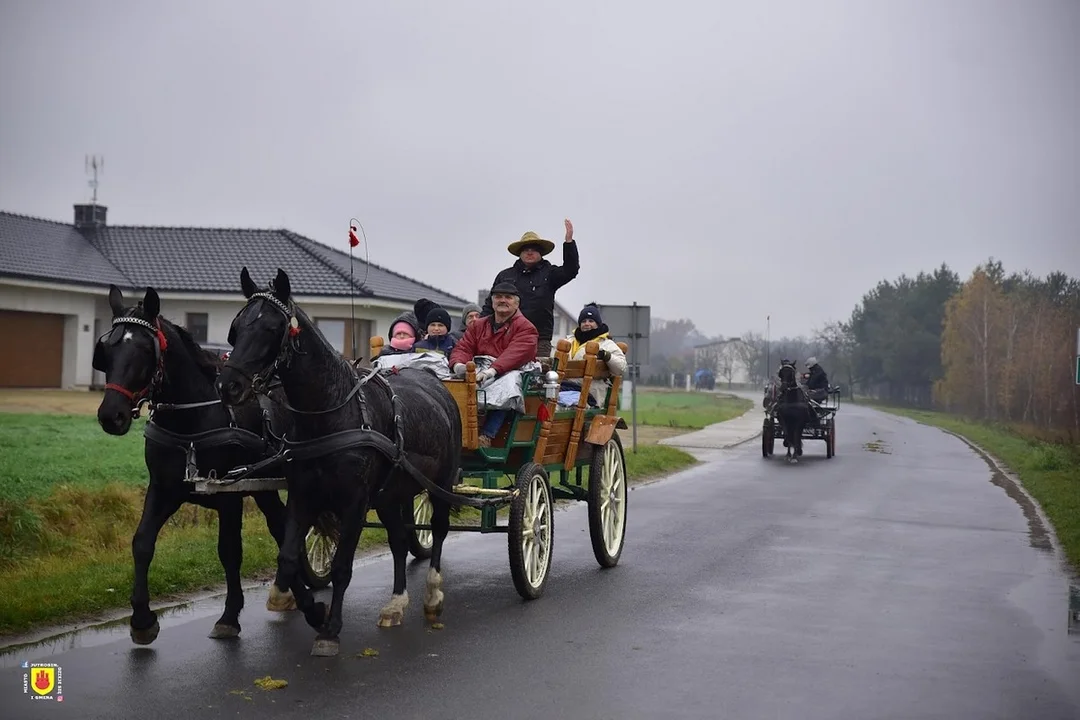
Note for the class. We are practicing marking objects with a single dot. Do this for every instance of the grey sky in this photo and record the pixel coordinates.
(720, 160)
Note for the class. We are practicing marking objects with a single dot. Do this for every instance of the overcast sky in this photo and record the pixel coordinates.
(721, 161)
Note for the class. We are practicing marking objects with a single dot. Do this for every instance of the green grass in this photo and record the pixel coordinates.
(655, 460)
(691, 410)
(71, 497)
(1050, 472)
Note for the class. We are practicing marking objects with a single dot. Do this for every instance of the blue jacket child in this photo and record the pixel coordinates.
(435, 320)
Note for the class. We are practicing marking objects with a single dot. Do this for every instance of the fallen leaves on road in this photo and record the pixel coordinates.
(269, 683)
(368, 652)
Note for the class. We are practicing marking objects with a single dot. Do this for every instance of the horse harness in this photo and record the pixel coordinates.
(364, 436)
(154, 433)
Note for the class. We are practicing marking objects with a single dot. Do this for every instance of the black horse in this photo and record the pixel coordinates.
(340, 458)
(147, 358)
(793, 411)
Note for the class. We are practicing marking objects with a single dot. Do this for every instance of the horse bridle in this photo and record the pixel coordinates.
(161, 344)
(290, 343)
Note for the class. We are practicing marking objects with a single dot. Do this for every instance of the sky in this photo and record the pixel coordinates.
(721, 161)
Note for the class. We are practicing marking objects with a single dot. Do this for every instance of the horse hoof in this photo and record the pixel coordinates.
(390, 619)
(146, 636)
(431, 614)
(325, 647)
(222, 631)
(279, 601)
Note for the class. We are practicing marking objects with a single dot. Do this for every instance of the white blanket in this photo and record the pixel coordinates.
(435, 362)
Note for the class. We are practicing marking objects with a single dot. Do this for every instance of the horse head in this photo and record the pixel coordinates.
(132, 356)
(263, 335)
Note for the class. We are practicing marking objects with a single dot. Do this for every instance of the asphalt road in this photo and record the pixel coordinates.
(895, 581)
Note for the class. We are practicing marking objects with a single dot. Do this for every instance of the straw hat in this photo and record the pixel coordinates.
(530, 238)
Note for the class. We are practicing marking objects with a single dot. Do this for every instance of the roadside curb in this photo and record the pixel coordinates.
(1017, 483)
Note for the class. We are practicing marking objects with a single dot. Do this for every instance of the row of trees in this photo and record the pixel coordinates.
(998, 346)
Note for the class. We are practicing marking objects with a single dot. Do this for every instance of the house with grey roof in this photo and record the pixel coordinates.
(54, 280)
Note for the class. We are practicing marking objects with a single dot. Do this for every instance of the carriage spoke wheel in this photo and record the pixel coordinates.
(830, 440)
(420, 541)
(531, 531)
(607, 502)
(320, 544)
(767, 439)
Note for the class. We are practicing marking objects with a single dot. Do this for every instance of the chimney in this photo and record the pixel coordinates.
(90, 217)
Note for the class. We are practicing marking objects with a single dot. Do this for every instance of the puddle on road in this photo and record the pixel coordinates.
(1074, 609)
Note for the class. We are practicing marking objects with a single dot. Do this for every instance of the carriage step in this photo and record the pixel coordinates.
(208, 486)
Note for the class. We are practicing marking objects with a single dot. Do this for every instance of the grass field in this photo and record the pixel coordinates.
(1051, 473)
(687, 410)
(71, 497)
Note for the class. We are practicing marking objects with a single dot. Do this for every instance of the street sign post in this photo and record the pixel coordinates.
(630, 324)
(1078, 369)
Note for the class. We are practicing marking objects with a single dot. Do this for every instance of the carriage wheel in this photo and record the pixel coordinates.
(607, 502)
(531, 531)
(420, 541)
(830, 440)
(767, 439)
(320, 546)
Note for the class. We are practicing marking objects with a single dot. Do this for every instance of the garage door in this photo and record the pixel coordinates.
(36, 360)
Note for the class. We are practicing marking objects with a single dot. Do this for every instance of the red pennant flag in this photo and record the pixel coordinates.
(353, 240)
(542, 413)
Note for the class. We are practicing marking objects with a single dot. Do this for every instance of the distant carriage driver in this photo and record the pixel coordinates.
(817, 385)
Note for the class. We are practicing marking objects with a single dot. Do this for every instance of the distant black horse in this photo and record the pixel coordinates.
(793, 411)
(336, 462)
(147, 358)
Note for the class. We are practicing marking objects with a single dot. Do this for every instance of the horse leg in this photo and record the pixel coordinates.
(390, 514)
(440, 527)
(231, 553)
(327, 642)
(158, 507)
(297, 516)
(274, 511)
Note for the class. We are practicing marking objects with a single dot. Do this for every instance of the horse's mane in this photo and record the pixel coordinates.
(207, 361)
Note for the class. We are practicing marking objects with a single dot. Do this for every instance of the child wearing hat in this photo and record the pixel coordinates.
(436, 321)
(404, 331)
(591, 328)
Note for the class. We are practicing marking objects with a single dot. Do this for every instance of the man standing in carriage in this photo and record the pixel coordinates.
(536, 280)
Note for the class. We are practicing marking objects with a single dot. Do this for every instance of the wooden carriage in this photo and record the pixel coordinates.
(531, 448)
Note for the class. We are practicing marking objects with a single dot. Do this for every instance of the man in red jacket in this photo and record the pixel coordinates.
(506, 336)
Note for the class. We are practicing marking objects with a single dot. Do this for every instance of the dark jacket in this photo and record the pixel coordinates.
(818, 380)
(537, 286)
(512, 344)
(442, 344)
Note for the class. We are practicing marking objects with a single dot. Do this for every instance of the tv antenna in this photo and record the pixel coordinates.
(94, 163)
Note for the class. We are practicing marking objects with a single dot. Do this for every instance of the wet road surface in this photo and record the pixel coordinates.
(896, 580)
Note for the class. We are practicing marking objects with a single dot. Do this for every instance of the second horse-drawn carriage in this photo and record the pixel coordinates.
(820, 421)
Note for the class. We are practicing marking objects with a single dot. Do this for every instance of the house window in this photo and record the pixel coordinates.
(337, 333)
(198, 324)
